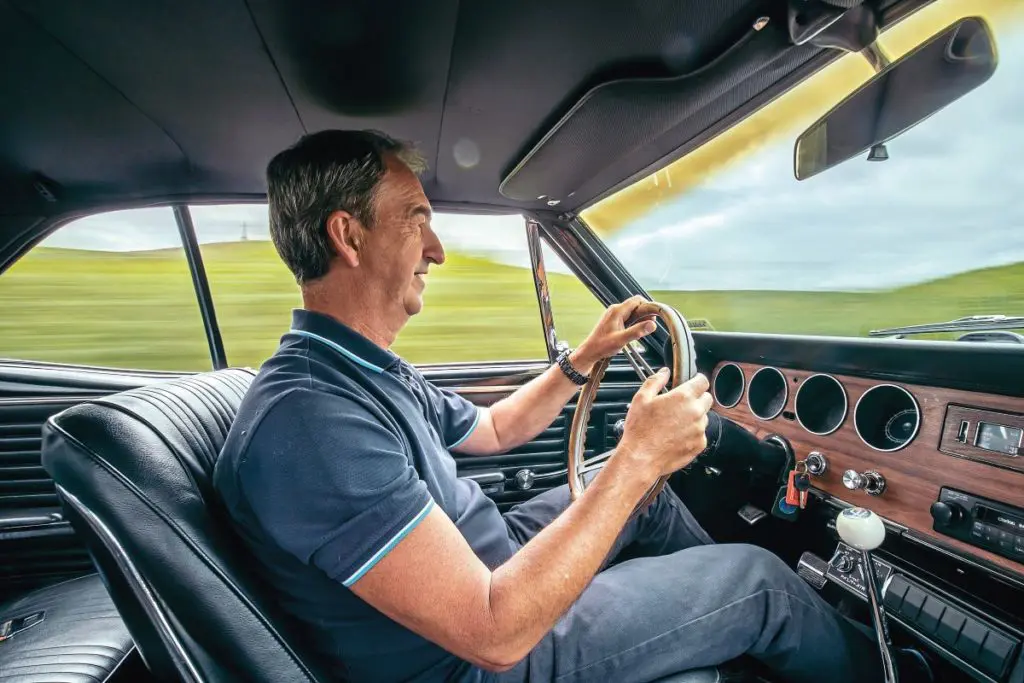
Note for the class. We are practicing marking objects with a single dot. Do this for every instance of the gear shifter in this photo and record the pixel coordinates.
(863, 530)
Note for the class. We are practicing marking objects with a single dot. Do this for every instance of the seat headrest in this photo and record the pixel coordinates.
(134, 471)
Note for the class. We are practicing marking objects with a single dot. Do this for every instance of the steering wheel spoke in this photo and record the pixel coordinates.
(683, 368)
(595, 463)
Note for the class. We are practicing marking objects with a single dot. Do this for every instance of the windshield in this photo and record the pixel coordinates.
(727, 234)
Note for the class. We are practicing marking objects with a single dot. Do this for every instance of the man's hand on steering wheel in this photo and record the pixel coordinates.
(610, 334)
(665, 432)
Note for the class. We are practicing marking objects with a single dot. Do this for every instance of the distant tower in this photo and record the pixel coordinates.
(245, 231)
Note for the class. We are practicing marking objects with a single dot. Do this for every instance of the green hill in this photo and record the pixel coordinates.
(138, 309)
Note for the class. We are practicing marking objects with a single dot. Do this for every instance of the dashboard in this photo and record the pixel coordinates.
(945, 464)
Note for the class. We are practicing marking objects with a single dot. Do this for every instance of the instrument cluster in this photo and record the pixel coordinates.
(886, 417)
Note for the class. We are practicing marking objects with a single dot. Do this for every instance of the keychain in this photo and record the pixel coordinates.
(797, 485)
(802, 484)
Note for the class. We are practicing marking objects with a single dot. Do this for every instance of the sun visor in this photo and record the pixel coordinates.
(612, 130)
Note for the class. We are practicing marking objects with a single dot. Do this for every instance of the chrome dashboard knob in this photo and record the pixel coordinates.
(853, 480)
(525, 479)
(619, 428)
(872, 482)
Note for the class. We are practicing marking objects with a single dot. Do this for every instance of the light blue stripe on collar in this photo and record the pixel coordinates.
(340, 349)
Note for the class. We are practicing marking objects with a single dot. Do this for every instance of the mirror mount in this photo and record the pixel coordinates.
(848, 30)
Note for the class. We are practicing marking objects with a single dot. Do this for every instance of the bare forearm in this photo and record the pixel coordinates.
(534, 406)
(560, 561)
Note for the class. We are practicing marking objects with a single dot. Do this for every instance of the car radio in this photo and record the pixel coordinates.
(981, 522)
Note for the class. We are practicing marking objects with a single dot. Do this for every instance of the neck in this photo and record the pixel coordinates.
(359, 311)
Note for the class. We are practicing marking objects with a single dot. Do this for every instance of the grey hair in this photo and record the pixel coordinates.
(333, 170)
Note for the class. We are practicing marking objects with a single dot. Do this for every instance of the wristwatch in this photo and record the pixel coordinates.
(566, 366)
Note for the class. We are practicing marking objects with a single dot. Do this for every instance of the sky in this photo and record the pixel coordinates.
(948, 200)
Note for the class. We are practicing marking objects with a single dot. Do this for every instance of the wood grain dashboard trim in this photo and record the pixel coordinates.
(914, 474)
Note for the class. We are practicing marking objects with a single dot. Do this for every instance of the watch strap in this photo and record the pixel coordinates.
(568, 370)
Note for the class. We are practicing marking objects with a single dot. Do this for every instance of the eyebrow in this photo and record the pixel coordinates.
(422, 210)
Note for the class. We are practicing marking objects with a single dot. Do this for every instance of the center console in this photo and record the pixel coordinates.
(984, 648)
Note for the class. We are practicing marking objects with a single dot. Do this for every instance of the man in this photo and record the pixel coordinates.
(338, 475)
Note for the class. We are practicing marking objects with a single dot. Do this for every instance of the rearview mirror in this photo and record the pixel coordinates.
(937, 72)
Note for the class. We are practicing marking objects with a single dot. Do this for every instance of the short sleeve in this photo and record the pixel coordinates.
(458, 416)
(330, 482)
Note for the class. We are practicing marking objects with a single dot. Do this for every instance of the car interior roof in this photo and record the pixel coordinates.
(515, 104)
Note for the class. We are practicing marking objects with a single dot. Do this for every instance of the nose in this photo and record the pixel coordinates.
(433, 250)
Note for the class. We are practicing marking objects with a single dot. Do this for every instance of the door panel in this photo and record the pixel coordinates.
(545, 456)
(37, 545)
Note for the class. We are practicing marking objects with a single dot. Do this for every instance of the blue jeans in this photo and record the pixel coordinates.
(687, 603)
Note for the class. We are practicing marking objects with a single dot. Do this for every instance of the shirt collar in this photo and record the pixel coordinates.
(342, 339)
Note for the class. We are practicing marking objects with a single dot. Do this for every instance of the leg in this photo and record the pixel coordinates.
(655, 616)
(664, 527)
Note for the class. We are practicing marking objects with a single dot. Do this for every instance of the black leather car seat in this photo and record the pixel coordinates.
(68, 632)
(134, 472)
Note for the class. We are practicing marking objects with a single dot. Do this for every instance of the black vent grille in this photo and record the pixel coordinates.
(23, 481)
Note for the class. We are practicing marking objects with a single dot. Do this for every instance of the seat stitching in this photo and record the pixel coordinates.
(180, 417)
(215, 394)
(240, 383)
(132, 488)
(127, 654)
(192, 388)
(197, 420)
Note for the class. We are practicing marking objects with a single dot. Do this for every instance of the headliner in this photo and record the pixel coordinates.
(118, 101)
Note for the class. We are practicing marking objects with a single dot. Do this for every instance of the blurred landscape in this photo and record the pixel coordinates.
(138, 309)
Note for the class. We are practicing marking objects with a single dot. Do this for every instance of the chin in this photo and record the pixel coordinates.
(413, 304)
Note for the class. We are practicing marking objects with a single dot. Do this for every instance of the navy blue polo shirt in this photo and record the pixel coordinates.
(339, 450)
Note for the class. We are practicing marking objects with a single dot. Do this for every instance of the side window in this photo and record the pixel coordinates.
(110, 290)
(574, 307)
(479, 306)
(253, 291)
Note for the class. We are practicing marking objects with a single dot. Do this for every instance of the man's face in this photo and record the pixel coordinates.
(401, 245)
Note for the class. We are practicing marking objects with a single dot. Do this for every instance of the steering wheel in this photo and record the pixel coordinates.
(684, 366)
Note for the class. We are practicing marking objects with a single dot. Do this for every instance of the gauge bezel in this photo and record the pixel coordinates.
(785, 393)
(914, 403)
(842, 392)
(739, 394)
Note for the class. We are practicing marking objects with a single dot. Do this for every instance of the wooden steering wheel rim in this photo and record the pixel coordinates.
(684, 367)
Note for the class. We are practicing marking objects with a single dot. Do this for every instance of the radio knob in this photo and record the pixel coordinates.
(946, 514)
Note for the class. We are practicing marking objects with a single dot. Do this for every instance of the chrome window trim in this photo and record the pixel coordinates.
(540, 284)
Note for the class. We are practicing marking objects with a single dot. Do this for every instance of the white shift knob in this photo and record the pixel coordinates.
(860, 528)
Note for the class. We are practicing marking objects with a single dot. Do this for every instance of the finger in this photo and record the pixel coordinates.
(626, 308)
(706, 401)
(653, 385)
(698, 384)
(635, 332)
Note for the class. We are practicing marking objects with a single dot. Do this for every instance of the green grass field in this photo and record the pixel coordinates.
(139, 310)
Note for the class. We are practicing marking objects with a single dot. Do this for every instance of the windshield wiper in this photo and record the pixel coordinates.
(970, 322)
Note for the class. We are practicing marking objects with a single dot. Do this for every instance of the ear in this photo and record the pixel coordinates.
(346, 235)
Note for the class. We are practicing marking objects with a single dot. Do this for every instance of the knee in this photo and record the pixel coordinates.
(759, 568)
